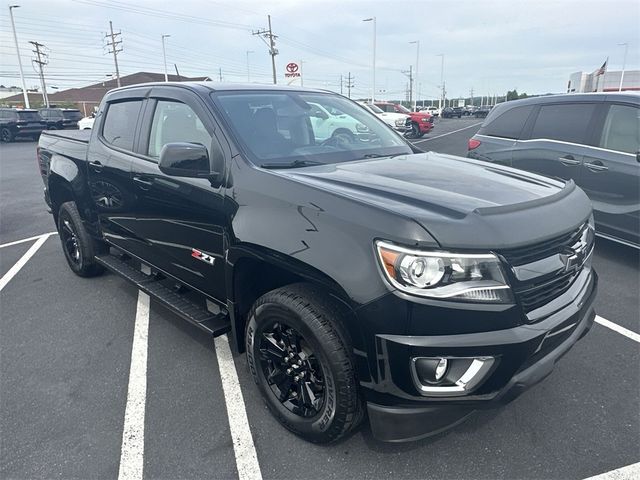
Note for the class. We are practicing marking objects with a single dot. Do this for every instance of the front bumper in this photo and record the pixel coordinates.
(525, 355)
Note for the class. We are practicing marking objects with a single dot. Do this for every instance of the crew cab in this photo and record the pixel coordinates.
(358, 273)
(421, 122)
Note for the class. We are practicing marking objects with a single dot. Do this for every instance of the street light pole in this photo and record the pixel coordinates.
(441, 80)
(373, 63)
(164, 56)
(248, 71)
(415, 81)
(624, 63)
(15, 39)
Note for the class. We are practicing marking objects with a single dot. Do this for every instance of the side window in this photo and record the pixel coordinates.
(509, 124)
(176, 122)
(621, 129)
(565, 122)
(120, 123)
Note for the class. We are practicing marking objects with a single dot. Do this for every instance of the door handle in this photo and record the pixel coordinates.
(569, 160)
(596, 166)
(142, 182)
(97, 166)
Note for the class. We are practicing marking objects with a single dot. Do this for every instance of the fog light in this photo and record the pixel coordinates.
(452, 376)
(441, 369)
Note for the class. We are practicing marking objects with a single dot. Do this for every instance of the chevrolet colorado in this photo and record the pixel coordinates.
(359, 274)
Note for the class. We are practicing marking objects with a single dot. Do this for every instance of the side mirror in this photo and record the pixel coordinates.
(185, 160)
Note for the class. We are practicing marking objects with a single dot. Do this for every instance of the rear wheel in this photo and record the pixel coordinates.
(415, 131)
(6, 135)
(301, 360)
(78, 246)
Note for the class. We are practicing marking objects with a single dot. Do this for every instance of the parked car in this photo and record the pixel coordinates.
(482, 112)
(86, 123)
(434, 111)
(469, 110)
(590, 139)
(421, 122)
(19, 122)
(60, 118)
(450, 112)
(363, 275)
(400, 122)
(331, 123)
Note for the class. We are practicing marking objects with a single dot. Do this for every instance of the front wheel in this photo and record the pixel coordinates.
(301, 359)
(6, 135)
(78, 246)
(415, 131)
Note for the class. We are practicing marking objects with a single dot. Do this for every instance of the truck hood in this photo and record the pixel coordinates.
(461, 202)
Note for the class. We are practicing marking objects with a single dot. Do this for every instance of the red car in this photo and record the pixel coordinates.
(421, 122)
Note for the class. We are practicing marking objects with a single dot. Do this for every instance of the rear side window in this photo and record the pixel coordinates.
(509, 124)
(29, 116)
(621, 129)
(120, 123)
(565, 122)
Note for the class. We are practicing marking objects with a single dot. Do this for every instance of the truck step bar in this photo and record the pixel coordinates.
(216, 325)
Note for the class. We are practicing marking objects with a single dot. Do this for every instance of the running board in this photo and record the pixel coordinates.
(216, 325)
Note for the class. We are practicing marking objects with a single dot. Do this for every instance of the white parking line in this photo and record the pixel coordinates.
(243, 447)
(625, 473)
(617, 328)
(449, 133)
(30, 239)
(6, 278)
(132, 451)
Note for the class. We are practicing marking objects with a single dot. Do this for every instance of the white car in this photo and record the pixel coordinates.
(397, 121)
(327, 124)
(86, 123)
(435, 111)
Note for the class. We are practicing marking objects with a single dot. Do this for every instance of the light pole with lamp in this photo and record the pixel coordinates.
(373, 63)
(164, 56)
(441, 81)
(624, 63)
(415, 77)
(15, 39)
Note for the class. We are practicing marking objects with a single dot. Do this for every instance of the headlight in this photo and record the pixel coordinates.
(361, 128)
(400, 122)
(445, 275)
(424, 120)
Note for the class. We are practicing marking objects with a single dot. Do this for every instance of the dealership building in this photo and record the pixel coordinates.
(581, 82)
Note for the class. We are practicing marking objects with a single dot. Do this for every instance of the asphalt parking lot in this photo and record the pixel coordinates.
(66, 342)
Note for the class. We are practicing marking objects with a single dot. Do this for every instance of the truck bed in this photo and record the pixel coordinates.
(82, 136)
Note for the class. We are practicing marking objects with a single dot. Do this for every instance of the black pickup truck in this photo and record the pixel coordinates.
(359, 274)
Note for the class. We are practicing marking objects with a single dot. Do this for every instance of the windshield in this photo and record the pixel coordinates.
(71, 114)
(283, 128)
(29, 116)
(403, 109)
(374, 108)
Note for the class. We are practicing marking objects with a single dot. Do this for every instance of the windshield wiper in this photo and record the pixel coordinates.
(294, 164)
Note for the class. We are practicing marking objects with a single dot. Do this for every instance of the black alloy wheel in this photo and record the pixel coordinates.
(78, 246)
(69, 240)
(292, 370)
(6, 135)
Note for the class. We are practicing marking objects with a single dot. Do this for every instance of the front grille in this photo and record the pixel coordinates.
(574, 247)
(538, 251)
(534, 295)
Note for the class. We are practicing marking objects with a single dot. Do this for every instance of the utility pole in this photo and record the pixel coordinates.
(41, 61)
(220, 74)
(164, 56)
(15, 39)
(415, 103)
(349, 84)
(272, 46)
(443, 95)
(471, 95)
(410, 75)
(113, 44)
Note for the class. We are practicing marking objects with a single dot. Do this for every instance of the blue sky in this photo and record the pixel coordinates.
(490, 46)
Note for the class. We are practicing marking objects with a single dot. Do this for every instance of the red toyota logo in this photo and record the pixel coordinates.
(292, 67)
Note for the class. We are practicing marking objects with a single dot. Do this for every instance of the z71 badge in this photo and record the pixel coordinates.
(205, 257)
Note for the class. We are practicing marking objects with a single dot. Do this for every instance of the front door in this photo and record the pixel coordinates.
(611, 174)
(180, 221)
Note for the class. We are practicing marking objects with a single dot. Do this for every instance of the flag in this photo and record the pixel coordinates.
(603, 68)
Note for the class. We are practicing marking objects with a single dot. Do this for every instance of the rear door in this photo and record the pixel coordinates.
(555, 140)
(611, 172)
(109, 167)
(180, 222)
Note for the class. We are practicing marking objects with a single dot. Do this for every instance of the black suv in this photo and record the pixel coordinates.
(450, 112)
(16, 122)
(592, 139)
(61, 118)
